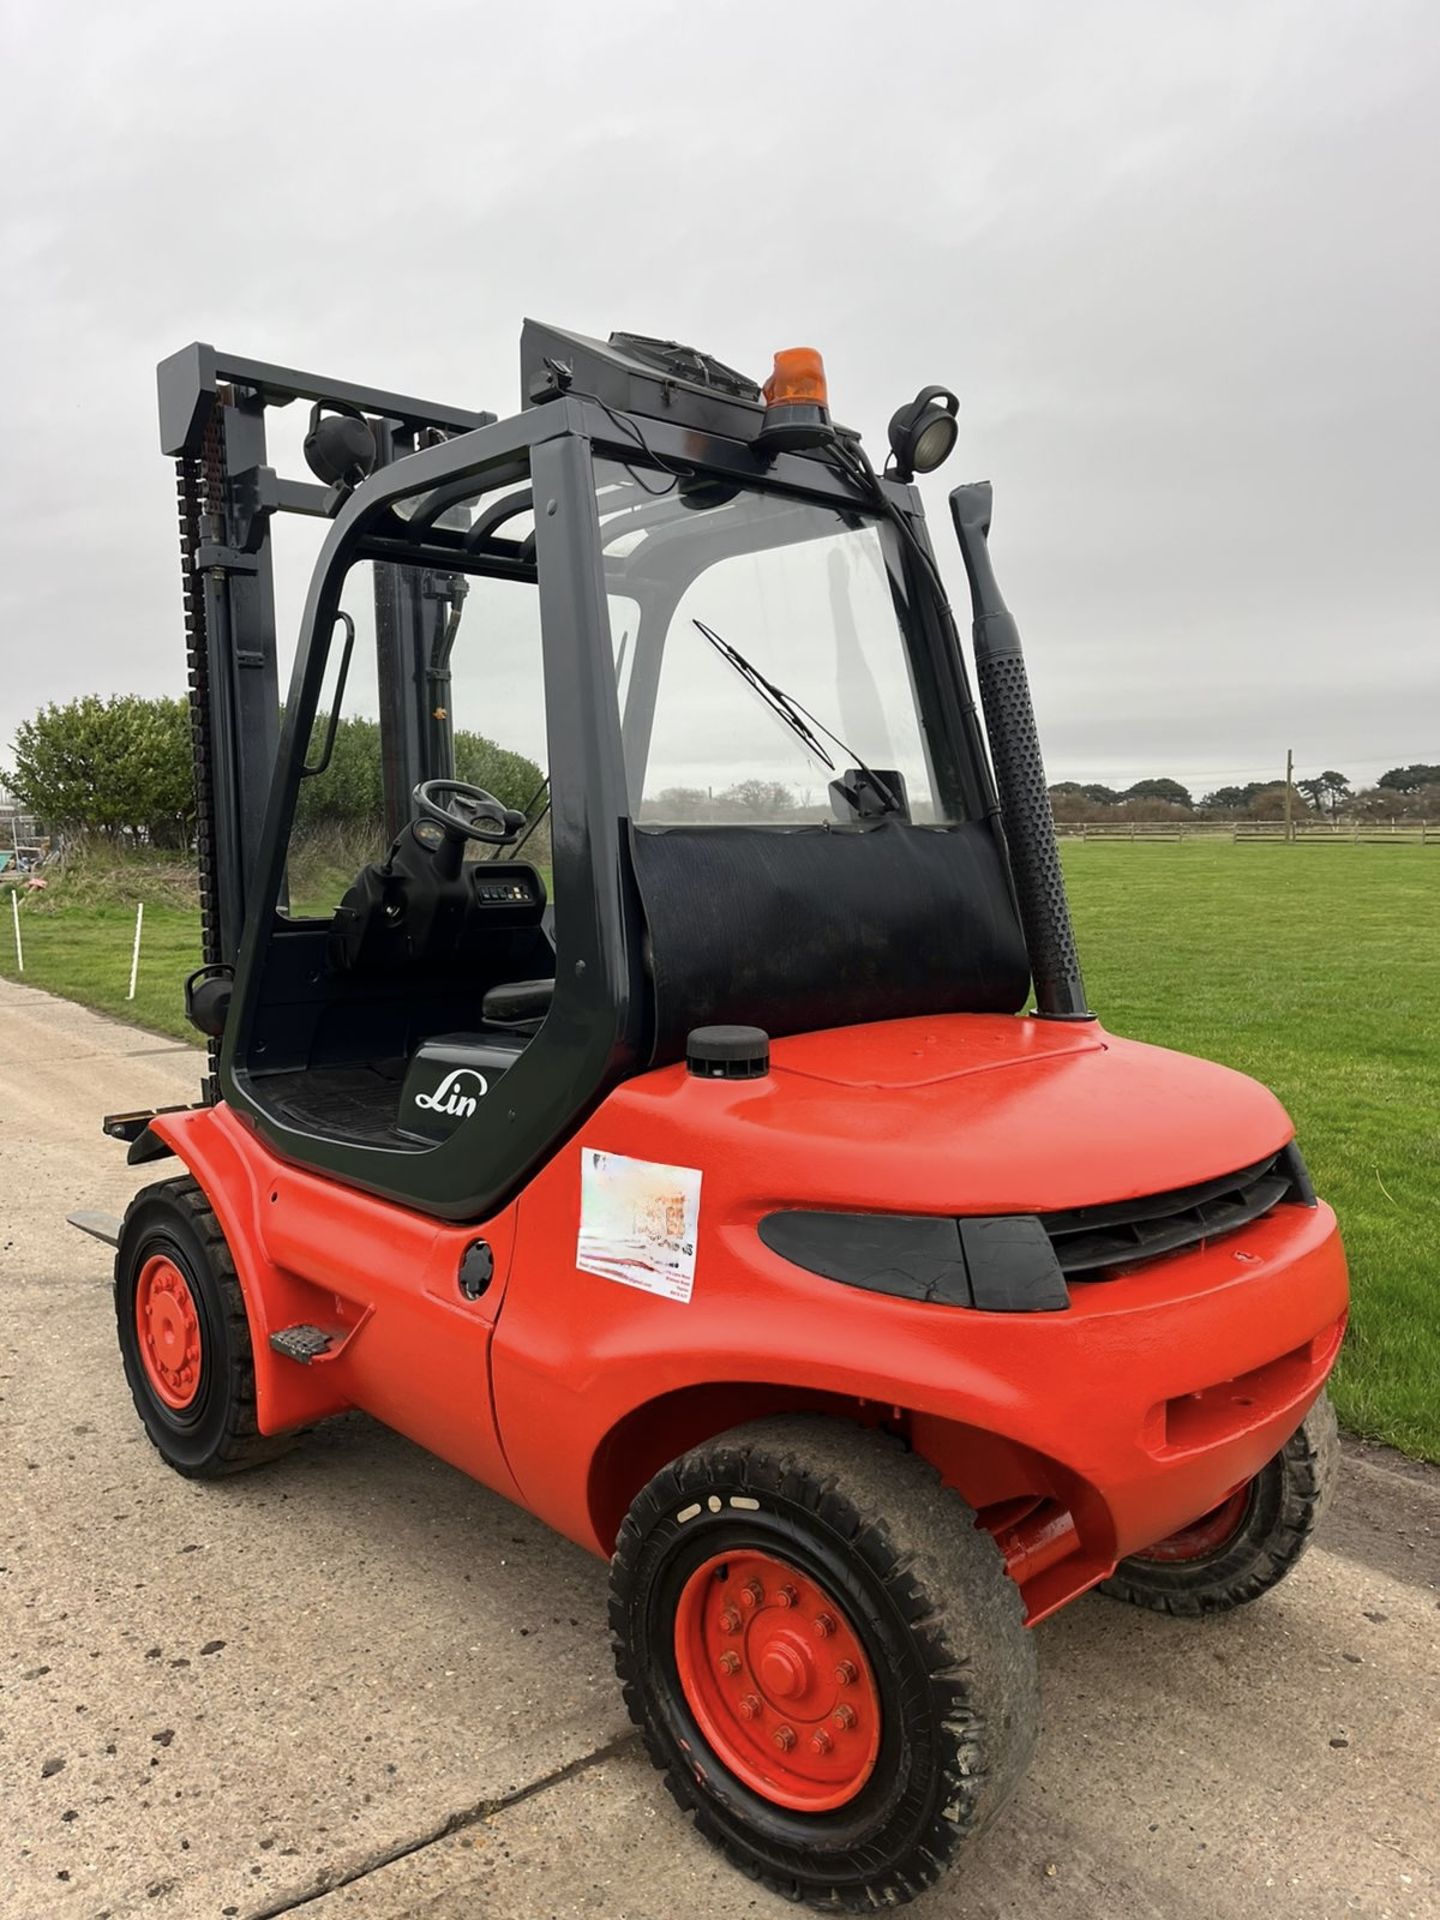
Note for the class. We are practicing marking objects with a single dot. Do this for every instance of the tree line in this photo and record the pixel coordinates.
(123, 769)
(1412, 791)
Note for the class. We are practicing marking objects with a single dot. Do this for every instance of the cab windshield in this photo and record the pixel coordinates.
(766, 659)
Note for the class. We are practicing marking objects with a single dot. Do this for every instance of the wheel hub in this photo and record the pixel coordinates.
(778, 1680)
(785, 1669)
(168, 1325)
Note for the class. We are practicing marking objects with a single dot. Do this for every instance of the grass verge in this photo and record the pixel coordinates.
(83, 952)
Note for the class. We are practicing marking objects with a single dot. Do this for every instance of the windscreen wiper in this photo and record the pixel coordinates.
(774, 697)
(801, 722)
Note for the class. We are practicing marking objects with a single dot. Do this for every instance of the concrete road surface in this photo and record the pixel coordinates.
(357, 1686)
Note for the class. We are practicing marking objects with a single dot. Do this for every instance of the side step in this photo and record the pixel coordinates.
(130, 1126)
(303, 1344)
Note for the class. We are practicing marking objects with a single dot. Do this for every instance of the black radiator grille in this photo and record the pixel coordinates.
(1092, 1242)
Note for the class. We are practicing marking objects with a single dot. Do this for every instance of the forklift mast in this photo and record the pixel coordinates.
(212, 422)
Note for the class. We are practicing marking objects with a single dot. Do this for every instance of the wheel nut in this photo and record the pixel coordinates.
(787, 1597)
(821, 1741)
(749, 1707)
(784, 1738)
(730, 1621)
(844, 1716)
(824, 1625)
(751, 1594)
(845, 1673)
(729, 1662)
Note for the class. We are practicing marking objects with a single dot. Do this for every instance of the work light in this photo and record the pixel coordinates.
(924, 431)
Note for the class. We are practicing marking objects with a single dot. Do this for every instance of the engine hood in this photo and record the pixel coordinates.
(967, 1113)
(920, 1053)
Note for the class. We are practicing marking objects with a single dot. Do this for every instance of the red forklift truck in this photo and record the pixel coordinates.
(675, 1152)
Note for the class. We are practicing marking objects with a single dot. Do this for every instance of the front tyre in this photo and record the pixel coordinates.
(1247, 1544)
(826, 1658)
(185, 1337)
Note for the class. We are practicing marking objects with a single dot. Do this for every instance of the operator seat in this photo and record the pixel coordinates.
(517, 1003)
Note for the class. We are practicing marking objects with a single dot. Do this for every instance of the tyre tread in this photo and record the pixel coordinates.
(1308, 1464)
(947, 1580)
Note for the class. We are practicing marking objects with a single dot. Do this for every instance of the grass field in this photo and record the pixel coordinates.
(1312, 967)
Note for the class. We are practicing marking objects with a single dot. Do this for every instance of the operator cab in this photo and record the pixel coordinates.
(395, 997)
(428, 914)
(695, 746)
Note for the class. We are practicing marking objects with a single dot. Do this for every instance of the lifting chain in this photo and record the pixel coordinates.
(202, 518)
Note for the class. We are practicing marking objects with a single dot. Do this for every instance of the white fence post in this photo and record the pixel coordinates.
(15, 911)
(135, 951)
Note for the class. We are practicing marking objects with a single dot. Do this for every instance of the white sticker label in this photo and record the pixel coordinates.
(638, 1223)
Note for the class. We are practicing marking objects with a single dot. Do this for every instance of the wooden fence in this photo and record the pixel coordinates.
(1418, 833)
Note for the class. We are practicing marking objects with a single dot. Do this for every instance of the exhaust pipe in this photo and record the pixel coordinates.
(1019, 770)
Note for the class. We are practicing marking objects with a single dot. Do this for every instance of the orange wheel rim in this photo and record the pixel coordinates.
(1204, 1536)
(778, 1681)
(168, 1326)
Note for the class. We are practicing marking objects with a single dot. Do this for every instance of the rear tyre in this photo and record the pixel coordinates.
(826, 1658)
(1248, 1544)
(184, 1335)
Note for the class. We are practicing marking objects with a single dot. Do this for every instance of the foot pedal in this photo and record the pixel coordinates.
(301, 1343)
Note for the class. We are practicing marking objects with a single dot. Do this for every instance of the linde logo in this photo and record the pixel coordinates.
(450, 1097)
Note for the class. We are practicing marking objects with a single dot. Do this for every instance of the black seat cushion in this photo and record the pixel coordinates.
(797, 928)
(515, 1001)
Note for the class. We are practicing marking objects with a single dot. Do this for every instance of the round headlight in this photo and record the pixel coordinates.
(923, 433)
(934, 441)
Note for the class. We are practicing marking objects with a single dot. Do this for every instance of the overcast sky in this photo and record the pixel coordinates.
(1178, 261)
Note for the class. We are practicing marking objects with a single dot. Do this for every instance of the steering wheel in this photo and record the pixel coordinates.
(468, 813)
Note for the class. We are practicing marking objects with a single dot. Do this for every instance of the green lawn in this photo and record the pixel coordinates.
(83, 952)
(1315, 969)
(1311, 967)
